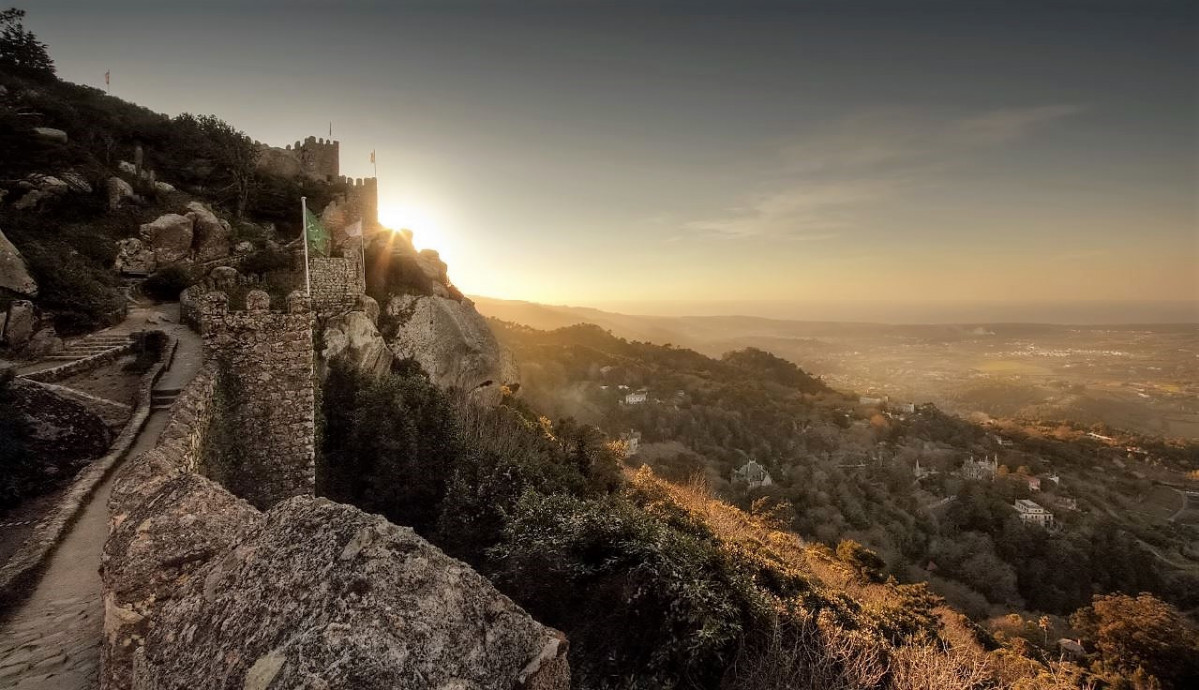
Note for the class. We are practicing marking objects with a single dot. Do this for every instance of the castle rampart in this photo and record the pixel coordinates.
(266, 392)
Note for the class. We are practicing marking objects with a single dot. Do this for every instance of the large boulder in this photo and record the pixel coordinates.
(281, 162)
(321, 595)
(451, 342)
(14, 272)
(169, 236)
(118, 191)
(44, 343)
(165, 524)
(211, 234)
(62, 431)
(353, 336)
(433, 267)
(50, 134)
(19, 326)
(135, 257)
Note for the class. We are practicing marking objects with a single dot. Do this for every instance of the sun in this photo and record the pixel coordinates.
(425, 224)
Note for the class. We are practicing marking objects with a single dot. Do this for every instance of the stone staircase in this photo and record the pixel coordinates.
(163, 398)
(91, 345)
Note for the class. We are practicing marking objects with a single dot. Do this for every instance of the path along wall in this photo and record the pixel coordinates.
(203, 590)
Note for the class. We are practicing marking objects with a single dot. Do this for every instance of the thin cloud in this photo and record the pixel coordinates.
(823, 182)
(808, 212)
(1009, 124)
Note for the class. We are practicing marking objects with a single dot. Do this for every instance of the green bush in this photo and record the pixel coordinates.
(636, 596)
(388, 444)
(82, 295)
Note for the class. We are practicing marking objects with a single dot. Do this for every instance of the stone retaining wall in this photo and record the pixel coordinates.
(79, 366)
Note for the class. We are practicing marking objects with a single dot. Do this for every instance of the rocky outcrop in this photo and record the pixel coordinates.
(319, 594)
(211, 234)
(278, 162)
(50, 134)
(19, 323)
(14, 272)
(199, 235)
(169, 236)
(39, 188)
(135, 257)
(43, 344)
(451, 342)
(62, 431)
(354, 337)
(118, 192)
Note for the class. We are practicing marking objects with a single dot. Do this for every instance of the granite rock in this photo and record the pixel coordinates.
(451, 342)
(14, 272)
(321, 595)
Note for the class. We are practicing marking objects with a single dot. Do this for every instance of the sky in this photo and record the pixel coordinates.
(692, 157)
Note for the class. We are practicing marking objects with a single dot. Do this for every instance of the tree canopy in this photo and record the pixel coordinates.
(20, 51)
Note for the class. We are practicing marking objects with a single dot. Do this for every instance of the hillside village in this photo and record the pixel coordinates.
(244, 447)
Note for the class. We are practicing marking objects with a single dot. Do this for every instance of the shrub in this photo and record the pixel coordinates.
(82, 294)
(635, 595)
(866, 562)
(149, 347)
(19, 470)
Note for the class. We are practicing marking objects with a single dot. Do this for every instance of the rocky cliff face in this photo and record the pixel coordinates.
(427, 319)
(319, 594)
(451, 342)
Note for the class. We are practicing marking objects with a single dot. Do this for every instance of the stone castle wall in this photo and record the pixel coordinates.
(266, 361)
(337, 283)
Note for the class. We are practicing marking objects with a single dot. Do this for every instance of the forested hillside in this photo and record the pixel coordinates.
(890, 475)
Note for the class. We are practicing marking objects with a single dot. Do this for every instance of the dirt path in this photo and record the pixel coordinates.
(52, 640)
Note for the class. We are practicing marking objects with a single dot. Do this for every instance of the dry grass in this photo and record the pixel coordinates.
(803, 650)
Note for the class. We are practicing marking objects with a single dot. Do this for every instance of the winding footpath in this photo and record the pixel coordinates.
(52, 640)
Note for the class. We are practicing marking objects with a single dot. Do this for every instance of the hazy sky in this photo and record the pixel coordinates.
(620, 152)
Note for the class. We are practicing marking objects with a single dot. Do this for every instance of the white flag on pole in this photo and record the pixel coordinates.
(354, 229)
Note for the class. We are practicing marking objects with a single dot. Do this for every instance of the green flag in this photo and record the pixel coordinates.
(315, 234)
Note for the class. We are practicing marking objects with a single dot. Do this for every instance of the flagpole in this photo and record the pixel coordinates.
(304, 237)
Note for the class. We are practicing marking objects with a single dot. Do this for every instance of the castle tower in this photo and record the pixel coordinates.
(265, 361)
(320, 159)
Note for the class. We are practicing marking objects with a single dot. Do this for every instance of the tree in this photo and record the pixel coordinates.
(1141, 634)
(232, 154)
(20, 51)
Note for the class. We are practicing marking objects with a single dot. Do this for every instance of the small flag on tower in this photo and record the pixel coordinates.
(108, 77)
(354, 229)
(330, 129)
(372, 155)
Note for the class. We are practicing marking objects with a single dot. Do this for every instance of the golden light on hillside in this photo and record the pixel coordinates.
(427, 230)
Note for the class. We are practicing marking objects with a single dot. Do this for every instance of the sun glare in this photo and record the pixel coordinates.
(427, 231)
